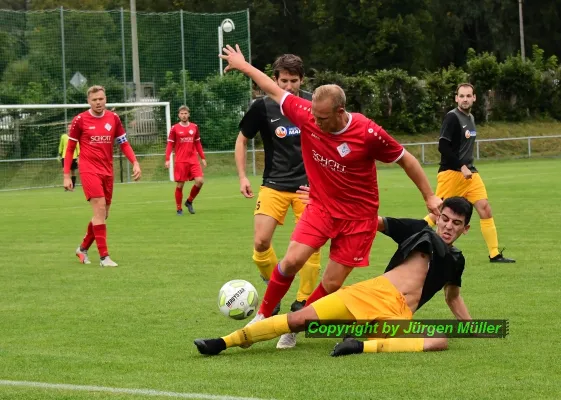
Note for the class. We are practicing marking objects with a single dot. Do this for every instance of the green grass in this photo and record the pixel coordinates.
(133, 326)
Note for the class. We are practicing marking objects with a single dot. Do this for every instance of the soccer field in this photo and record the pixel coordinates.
(133, 327)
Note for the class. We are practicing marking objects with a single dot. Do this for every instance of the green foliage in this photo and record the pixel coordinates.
(216, 105)
(483, 73)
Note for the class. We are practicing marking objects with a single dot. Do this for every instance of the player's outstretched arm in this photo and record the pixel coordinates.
(236, 60)
(415, 172)
(456, 302)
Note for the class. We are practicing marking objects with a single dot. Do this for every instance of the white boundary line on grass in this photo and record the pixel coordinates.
(143, 392)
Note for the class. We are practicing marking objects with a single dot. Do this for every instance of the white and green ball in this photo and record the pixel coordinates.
(238, 299)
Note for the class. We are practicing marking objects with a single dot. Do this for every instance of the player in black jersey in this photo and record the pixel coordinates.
(284, 173)
(425, 262)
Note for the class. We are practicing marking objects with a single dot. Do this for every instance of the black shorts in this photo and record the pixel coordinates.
(73, 166)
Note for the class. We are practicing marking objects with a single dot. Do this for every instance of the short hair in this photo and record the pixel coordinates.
(465, 84)
(183, 108)
(289, 63)
(460, 206)
(333, 92)
(95, 89)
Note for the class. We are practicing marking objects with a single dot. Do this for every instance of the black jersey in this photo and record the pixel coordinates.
(446, 262)
(284, 167)
(459, 129)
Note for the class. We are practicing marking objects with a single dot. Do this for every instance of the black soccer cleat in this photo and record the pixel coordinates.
(276, 310)
(297, 305)
(348, 346)
(499, 258)
(189, 206)
(210, 347)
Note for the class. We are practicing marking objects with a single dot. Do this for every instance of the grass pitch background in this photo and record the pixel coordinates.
(133, 326)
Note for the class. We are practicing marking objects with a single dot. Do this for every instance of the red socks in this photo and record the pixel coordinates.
(100, 232)
(89, 238)
(276, 289)
(194, 192)
(178, 197)
(316, 294)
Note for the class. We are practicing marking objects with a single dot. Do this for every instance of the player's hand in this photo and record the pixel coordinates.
(204, 162)
(235, 57)
(245, 188)
(433, 205)
(67, 183)
(136, 172)
(466, 171)
(167, 164)
(304, 194)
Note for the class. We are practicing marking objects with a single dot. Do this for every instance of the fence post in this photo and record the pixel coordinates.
(184, 72)
(529, 147)
(124, 86)
(477, 147)
(422, 153)
(250, 88)
(63, 64)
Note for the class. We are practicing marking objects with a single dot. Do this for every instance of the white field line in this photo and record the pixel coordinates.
(141, 392)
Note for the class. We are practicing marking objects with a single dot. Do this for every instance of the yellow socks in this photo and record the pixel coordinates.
(309, 275)
(266, 262)
(394, 345)
(489, 232)
(429, 221)
(265, 329)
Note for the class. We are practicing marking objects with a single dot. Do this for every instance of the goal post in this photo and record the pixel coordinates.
(30, 136)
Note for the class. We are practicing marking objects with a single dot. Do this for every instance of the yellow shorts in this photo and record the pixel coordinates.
(374, 299)
(275, 204)
(452, 183)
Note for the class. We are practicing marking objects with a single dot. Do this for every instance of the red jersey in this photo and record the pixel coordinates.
(96, 136)
(187, 142)
(341, 166)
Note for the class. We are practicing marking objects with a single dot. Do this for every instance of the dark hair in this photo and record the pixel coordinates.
(289, 63)
(460, 206)
(465, 84)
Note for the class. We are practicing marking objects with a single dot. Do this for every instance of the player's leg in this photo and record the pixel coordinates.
(309, 273)
(92, 186)
(389, 345)
(100, 230)
(73, 169)
(328, 308)
(477, 195)
(195, 172)
(179, 197)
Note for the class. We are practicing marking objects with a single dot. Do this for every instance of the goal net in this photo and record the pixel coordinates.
(30, 137)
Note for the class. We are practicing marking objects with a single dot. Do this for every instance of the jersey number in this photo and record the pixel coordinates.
(258, 205)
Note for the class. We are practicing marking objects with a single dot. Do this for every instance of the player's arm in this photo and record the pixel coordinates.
(456, 302)
(126, 148)
(73, 138)
(236, 60)
(249, 126)
(199, 147)
(241, 160)
(170, 145)
(448, 132)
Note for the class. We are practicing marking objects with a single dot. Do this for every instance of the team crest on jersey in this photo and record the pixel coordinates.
(470, 134)
(108, 126)
(283, 132)
(191, 131)
(343, 149)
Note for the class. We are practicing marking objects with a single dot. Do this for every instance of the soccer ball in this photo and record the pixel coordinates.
(237, 299)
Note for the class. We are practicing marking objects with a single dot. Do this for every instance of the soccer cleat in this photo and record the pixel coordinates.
(348, 346)
(83, 256)
(179, 213)
(499, 258)
(297, 305)
(287, 341)
(258, 317)
(189, 206)
(107, 262)
(210, 347)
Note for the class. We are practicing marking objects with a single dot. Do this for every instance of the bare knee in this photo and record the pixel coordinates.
(291, 264)
(180, 185)
(331, 284)
(297, 320)
(261, 244)
(435, 344)
(483, 209)
(199, 181)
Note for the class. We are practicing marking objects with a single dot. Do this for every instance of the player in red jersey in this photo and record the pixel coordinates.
(339, 151)
(185, 138)
(96, 130)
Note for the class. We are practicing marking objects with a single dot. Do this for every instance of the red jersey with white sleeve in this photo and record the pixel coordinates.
(341, 166)
(187, 143)
(96, 136)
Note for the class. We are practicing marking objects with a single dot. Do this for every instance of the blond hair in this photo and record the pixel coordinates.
(183, 108)
(332, 92)
(95, 89)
